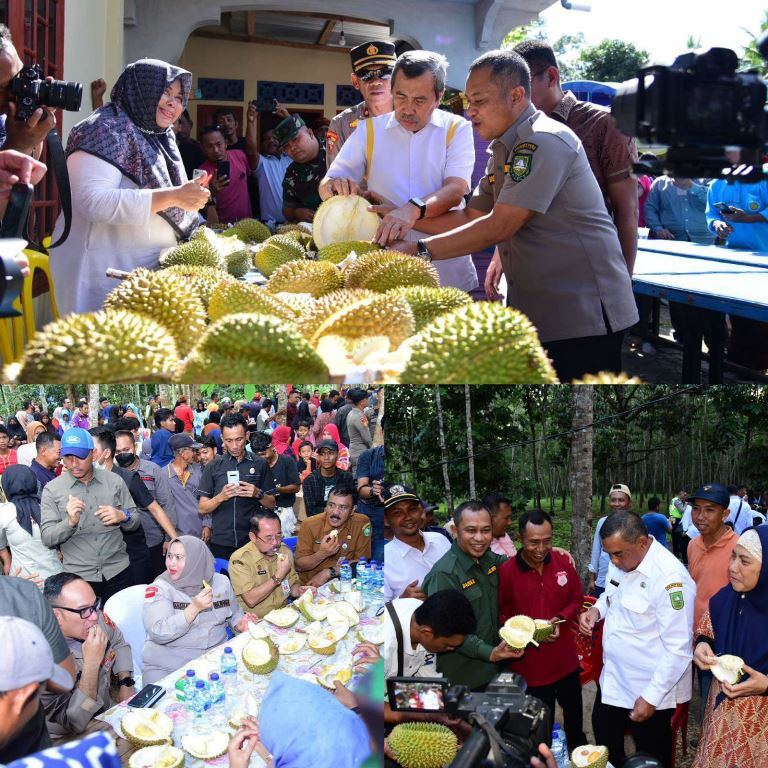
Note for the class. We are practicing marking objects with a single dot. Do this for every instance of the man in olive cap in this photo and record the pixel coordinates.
(372, 65)
(302, 178)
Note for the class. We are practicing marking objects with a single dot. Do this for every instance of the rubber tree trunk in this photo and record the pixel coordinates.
(378, 433)
(443, 451)
(470, 449)
(581, 478)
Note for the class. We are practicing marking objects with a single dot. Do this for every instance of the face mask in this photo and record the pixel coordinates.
(125, 459)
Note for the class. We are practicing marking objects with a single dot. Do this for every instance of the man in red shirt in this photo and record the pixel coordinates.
(543, 584)
(7, 454)
(185, 413)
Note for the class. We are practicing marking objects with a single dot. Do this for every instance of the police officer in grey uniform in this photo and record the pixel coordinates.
(372, 65)
(540, 202)
(187, 609)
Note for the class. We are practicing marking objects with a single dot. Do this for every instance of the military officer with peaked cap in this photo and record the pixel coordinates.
(372, 65)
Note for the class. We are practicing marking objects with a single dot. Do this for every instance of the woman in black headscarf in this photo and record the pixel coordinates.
(16, 431)
(130, 193)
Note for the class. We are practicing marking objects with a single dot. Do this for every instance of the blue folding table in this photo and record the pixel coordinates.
(725, 281)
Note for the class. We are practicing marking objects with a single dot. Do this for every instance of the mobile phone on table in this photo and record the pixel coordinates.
(725, 208)
(233, 477)
(148, 696)
(222, 169)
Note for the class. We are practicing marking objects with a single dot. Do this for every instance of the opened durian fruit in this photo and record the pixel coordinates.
(282, 617)
(350, 312)
(163, 756)
(146, 727)
(205, 746)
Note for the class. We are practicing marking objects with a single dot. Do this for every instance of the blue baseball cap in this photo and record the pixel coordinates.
(76, 442)
(717, 493)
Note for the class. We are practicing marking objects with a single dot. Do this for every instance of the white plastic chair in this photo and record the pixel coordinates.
(125, 608)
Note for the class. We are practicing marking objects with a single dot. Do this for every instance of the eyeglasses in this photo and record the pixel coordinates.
(376, 74)
(340, 507)
(83, 613)
(271, 539)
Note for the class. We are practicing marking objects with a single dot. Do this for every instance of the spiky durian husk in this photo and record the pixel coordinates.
(483, 343)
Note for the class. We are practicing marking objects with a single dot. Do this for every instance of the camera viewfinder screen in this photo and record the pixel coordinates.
(416, 697)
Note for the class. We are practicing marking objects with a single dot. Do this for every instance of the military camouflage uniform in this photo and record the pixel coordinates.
(302, 181)
(341, 128)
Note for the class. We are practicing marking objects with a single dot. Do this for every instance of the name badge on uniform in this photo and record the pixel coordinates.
(261, 573)
(562, 578)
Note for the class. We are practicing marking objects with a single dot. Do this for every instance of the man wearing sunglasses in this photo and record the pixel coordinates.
(262, 572)
(372, 65)
(99, 650)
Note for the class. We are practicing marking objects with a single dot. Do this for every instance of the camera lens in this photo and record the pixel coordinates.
(60, 93)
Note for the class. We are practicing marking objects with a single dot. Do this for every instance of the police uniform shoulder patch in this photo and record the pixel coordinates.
(754, 205)
(354, 123)
(674, 585)
(677, 600)
(367, 530)
(108, 621)
(526, 145)
(520, 167)
(330, 139)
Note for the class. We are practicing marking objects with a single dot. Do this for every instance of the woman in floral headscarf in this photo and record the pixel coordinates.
(130, 193)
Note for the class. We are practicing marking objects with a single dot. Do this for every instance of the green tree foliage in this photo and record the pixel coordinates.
(752, 57)
(535, 30)
(611, 61)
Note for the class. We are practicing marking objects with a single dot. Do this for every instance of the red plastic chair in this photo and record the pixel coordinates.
(590, 649)
(680, 725)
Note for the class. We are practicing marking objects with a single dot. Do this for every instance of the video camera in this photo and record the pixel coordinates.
(700, 107)
(31, 90)
(506, 720)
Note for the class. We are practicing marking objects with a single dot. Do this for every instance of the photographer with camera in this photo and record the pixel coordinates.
(471, 568)
(647, 607)
(414, 631)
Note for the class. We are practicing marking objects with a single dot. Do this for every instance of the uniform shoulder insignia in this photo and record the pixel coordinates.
(354, 123)
(677, 600)
(108, 621)
(521, 165)
(367, 529)
(674, 585)
(491, 570)
(526, 145)
(330, 139)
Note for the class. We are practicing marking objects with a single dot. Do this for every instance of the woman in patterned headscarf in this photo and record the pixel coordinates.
(736, 624)
(130, 193)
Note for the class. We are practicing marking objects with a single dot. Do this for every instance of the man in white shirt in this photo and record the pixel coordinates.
(687, 526)
(740, 515)
(415, 631)
(411, 553)
(647, 640)
(270, 165)
(417, 159)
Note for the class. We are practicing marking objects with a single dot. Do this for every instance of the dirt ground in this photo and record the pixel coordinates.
(664, 365)
(589, 691)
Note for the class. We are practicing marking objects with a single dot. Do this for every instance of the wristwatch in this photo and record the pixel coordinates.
(127, 516)
(420, 204)
(128, 682)
(422, 250)
(276, 580)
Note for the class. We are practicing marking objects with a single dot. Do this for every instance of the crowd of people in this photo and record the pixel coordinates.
(657, 618)
(200, 508)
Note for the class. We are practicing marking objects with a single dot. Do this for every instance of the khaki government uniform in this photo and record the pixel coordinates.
(341, 129)
(69, 713)
(171, 642)
(354, 535)
(249, 568)
(564, 267)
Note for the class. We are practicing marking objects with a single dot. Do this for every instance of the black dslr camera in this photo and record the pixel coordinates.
(31, 90)
(506, 721)
(698, 107)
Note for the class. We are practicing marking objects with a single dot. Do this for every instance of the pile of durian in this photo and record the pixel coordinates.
(347, 311)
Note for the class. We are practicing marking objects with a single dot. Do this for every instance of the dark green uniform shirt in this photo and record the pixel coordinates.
(478, 580)
(302, 182)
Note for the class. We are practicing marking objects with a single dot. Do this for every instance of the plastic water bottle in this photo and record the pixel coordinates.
(362, 574)
(201, 700)
(373, 575)
(345, 576)
(189, 687)
(228, 665)
(560, 747)
(216, 686)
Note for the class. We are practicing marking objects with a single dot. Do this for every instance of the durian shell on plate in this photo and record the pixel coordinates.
(205, 746)
(146, 727)
(159, 756)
